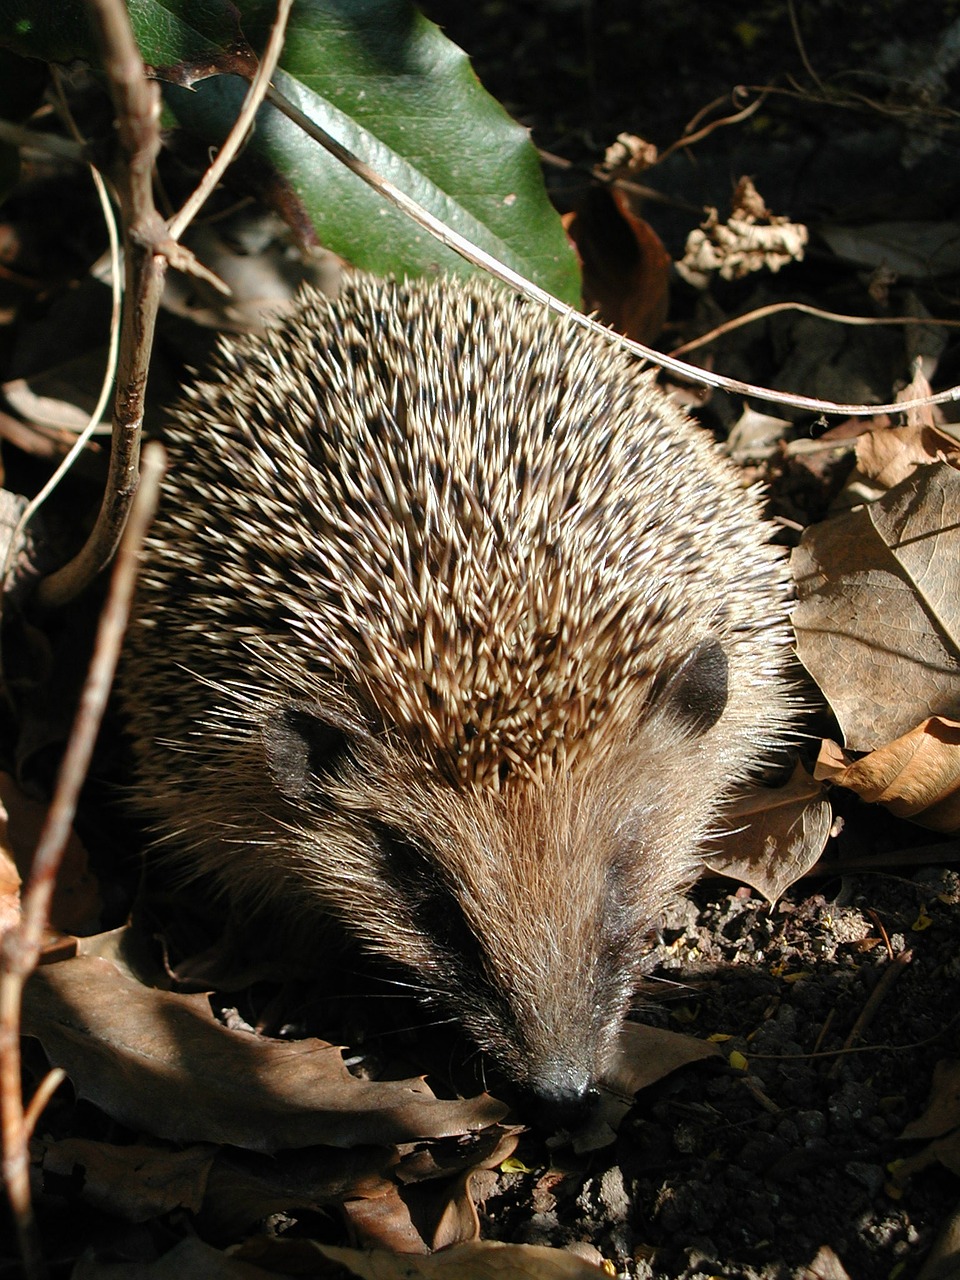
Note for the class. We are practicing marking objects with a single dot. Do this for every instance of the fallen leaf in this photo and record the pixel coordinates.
(384, 1223)
(191, 1259)
(878, 608)
(76, 901)
(626, 269)
(479, 1260)
(645, 1055)
(825, 1266)
(774, 835)
(916, 776)
(943, 1260)
(244, 1188)
(135, 1182)
(942, 1113)
(916, 250)
(887, 457)
(161, 1062)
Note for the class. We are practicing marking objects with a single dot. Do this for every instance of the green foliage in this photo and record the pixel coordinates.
(379, 77)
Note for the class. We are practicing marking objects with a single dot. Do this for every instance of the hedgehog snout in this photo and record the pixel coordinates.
(558, 1100)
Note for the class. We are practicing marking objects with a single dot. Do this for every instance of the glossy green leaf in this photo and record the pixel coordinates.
(388, 85)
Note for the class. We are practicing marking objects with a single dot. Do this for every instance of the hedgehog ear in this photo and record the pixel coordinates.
(697, 691)
(301, 749)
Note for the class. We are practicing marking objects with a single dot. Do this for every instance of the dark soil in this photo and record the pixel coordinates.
(840, 1004)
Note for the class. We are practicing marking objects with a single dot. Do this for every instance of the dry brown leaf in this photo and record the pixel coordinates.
(913, 250)
(9, 883)
(878, 608)
(76, 901)
(645, 1055)
(191, 1259)
(943, 1108)
(133, 1182)
(161, 1062)
(943, 1260)
(479, 1260)
(244, 1188)
(940, 1123)
(916, 776)
(384, 1223)
(888, 457)
(825, 1266)
(774, 835)
(626, 269)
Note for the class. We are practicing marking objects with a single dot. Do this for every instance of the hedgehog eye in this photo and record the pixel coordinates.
(432, 903)
(301, 749)
(697, 691)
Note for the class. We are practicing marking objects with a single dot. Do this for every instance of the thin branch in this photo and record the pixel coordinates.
(149, 246)
(479, 257)
(804, 308)
(242, 126)
(137, 106)
(110, 372)
(20, 947)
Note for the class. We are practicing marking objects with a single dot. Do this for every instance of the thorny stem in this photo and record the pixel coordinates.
(20, 946)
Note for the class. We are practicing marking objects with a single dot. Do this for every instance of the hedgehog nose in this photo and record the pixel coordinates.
(560, 1106)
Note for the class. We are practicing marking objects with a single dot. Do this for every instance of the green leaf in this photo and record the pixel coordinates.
(388, 85)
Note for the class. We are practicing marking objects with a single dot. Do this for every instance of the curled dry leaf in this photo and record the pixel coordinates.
(161, 1062)
(916, 776)
(774, 835)
(752, 239)
(879, 610)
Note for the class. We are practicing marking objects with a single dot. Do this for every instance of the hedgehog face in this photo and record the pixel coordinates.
(524, 908)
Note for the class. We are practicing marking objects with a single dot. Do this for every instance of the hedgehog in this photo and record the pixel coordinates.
(455, 631)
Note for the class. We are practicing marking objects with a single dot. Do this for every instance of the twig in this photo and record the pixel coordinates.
(137, 106)
(110, 372)
(804, 308)
(479, 257)
(20, 947)
(241, 126)
(149, 246)
(876, 998)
